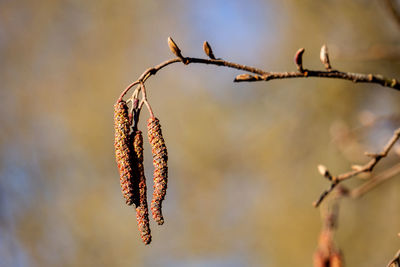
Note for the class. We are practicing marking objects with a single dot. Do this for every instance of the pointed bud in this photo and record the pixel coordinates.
(322, 170)
(324, 57)
(298, 59)
(174, 48)
(356, 167)
(207, 49)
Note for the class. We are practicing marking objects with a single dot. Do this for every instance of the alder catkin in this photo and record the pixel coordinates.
(320, 260)
(160, 158)
(336, 259)
(142, 213)
(122, 150)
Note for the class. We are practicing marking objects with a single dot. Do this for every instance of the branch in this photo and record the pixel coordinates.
(395, 260)
(375, 181)
(261, 75)
(368, 167)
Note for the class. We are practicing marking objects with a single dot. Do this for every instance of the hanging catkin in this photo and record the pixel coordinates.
(122, 150)
(142, 213)
(160, 157)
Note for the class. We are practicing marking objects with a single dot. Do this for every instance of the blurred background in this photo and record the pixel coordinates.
(242, 157)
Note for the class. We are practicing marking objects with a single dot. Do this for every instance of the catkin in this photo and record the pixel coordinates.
(142, 213)
(160, 158)
(327, 255)
(122, 151)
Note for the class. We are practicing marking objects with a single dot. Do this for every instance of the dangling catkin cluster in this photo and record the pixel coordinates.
(142, 213)
(160, 157)
(327, 255)
(122, 150)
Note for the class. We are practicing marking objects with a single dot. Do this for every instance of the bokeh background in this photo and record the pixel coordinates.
(242, 157)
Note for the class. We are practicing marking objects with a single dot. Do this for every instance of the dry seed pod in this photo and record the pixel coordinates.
(160, 158)
(122, 150)
(142, 213)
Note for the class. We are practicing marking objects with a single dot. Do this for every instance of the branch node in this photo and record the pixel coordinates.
(370, 77)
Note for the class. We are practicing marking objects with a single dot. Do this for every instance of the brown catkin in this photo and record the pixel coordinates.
(142, 213)
(160, 158)
(327, 255)
(336, 259)
(122, 150)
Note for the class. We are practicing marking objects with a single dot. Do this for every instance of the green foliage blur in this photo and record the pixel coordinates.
(242, 157)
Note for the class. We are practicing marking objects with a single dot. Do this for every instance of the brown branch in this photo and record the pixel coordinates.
(395, 260)
(354, 77)
(375, 181)
(368, 167)
(261, 75)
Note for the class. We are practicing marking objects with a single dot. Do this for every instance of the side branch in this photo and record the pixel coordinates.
(368, 167)
(375, 181)
(395, 261)
(354, 77)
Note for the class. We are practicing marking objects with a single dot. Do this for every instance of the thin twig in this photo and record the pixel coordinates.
(354, 77)
(368, 167)
(375, 181)
(395, 260)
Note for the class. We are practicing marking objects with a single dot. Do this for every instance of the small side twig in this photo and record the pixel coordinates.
(395, 262)
(375, 181)
(368, 167)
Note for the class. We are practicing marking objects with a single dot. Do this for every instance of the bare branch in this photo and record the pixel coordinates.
(395, 262)
(375, 181)
(261, 75)
(368, 167)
